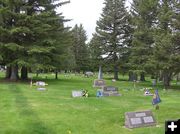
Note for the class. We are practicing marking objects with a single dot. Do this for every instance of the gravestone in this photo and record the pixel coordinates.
(139, 119)
(88, 74)
(40, 83)
(154, 83)
(110, 91)
(100, 76)
(77, 93)
(41, 88)
(99, 82)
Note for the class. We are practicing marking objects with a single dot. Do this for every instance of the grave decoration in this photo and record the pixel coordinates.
(99, 82)
(156, 99)
(85, 93)
(139, 119)
(147, 92)
(99, 93)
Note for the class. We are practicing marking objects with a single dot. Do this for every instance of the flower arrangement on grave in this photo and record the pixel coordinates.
(147, 91)
(85, 93)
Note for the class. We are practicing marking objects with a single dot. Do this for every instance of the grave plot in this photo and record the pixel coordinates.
(139, 119)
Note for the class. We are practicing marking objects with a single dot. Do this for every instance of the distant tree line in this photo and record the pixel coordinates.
(140, 41)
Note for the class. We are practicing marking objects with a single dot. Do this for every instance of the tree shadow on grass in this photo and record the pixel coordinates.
(31, 120)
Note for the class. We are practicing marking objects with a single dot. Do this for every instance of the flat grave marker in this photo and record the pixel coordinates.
(76, 93)
(41, 88)
(110, 91)
(139, 119)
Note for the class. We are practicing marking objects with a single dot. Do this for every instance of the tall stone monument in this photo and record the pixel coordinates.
(100, 76)
(99, 82)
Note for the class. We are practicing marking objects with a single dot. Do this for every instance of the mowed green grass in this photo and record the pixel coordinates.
(24, 110)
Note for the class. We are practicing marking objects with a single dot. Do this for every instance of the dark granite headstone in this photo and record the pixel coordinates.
(99, 83)
(110, 91)
(139, 119)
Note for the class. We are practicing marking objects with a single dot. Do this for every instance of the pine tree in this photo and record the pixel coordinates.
(80, 48)
(166, 50)
(29, 31)
(112, 30)
(144, 13)
(95, 52)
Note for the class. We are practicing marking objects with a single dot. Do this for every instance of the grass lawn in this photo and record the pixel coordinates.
(24, 110)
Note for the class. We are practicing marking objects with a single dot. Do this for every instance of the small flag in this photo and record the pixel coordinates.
(156, 99)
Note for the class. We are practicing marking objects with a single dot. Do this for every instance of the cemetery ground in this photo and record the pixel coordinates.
(25, 110)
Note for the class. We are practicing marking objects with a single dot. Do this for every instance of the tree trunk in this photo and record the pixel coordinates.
(8, 72)
(142, 77)
(167, 79)
(24, 73)
(135, 76)
(56, 74)
(161, 76)
(131, 77)
(37, 73)
(178, 77)
(116, 72)
(14, 73)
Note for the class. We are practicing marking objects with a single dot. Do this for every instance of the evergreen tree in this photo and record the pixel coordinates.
(166, 50)
(95, 52)
(29, 31)
(144, 13)
(112, 31)
(80, 48)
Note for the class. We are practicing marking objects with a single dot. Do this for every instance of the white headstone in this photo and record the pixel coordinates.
(77, 93)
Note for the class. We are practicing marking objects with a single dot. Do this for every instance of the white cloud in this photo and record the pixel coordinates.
(85, 12)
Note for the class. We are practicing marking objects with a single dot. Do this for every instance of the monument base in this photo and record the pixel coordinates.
(99, 83)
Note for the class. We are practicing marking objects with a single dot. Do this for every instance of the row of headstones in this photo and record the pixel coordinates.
(132, 119)
(103, 91)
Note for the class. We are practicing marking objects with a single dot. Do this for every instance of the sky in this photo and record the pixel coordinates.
(85, 12)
